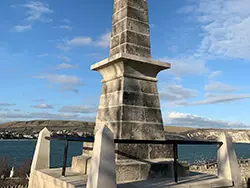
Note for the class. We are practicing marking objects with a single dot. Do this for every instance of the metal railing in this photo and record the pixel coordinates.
(91, 139)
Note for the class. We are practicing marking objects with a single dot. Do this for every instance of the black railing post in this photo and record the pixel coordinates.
(65, 158)
(175, 149)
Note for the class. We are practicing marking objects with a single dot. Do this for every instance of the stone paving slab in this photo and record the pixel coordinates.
(76, 180)
(196, 181)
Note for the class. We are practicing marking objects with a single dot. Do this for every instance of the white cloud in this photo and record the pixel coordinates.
(43, 55)
(214, 74)
(7, 104)
(104, 40)
(65, 66)
(214, 99)
(4, 109)
(78, 109)
(176, 92)
(79, 41)
(183, 66)
(65, 20)
(37, 10)
(66, 82)
(63, 58)
(219, 87)
(225, 25)
(43, 106)
(21, 28)
(189, 120)
(66, 27)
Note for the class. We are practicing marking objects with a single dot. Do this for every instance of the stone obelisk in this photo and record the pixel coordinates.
(129, 103)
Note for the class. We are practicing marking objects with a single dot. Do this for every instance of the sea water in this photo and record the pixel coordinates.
(19, 151)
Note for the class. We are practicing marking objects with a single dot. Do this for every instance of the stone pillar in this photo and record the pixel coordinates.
(228, 167)
(103, 170)
(41, 158)
(129, 103)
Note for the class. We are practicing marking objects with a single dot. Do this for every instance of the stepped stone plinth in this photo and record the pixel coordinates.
(129, 102)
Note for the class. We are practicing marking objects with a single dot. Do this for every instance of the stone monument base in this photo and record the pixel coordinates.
(134, 170)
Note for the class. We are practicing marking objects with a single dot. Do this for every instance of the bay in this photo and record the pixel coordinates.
(19, 151)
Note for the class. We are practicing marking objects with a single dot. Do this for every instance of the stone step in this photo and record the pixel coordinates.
(196, 181)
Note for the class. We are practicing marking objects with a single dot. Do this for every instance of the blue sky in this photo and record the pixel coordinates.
(47, 48)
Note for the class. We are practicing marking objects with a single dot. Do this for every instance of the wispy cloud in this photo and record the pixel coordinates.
(21, 28)
(63, 58)
(66, 27)
(216, 86)
(43, 55)
(214, 74)
(215, 99)
(37, 11)
(79, 41)
(187, 65)
(43, 106)
(224, 35)
(176, 92)
(65, 66)
(190, 120)
(66, 82)
(65, 20)
(78, 109)
(7, 104)
(104, 40)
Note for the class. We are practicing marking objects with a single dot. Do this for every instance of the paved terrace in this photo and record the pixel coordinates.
(75, 180)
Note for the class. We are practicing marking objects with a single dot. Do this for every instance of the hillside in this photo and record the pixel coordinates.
(80, 127)
(28, 127)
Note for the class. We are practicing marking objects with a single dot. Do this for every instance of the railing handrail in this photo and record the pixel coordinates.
(173, 142)
(133, 141)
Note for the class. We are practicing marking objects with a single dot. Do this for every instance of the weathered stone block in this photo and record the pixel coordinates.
(125, 172)
(112, 86)
(151, 100)
(137, 15)
(160, 151)
(132, 113)
(109, 114)
(138, 50)
(137, 26)
(135, 38)
(119, 16)
(153, 115)
(119, 27)
(115, 41)
(132, 98)
(111, 99)
(131, 84)
(137, 131)
(159, 170)
(148, 87)
(132, 151)
(141, 130)
(138, 4)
